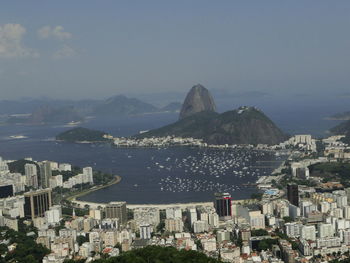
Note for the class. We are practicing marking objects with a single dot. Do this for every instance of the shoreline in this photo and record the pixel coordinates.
(95, 205)
(165, 146)
(74, 197)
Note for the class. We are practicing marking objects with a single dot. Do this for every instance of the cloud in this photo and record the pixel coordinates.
(56, 32)
(64, 52)
(11, 46)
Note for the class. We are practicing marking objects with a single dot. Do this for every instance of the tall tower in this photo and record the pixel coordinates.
(222, 205)
(293, 194)
(45, 174)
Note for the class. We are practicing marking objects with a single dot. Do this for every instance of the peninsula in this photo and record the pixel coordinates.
(80, 134)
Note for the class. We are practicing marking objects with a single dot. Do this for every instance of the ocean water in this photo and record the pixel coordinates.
(168, 175)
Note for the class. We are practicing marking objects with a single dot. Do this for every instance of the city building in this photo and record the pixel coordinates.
(31, 174)
(223, 203)
(293, 194)
(117, 210)
(36, 203)
(45, 174)
(174, 225)
(308, 232)
(145, 231)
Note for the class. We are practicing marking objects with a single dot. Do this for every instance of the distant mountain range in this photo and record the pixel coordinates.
(344, 116)
(61, 111)
(198, 119)
(122, 105)
(47, 114)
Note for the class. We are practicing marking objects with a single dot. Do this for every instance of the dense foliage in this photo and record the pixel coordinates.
(267, 243)
(81, 134)
(335, 171)
(26, 250)
(259, 232)
(18, 166)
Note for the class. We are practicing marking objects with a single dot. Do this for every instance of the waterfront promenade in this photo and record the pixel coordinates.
(82, 204)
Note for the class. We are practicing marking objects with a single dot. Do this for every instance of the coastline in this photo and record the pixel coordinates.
(82, 204)
(73, 198)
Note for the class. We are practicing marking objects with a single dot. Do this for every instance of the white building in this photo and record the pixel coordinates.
(347, 212)
(293, 229)
(325, 207)
(54, 215)
(173, 212)
(65, 167)
(325, 230)
(192, 215)
(213, 220)
(88, 175)
(31, 174)
(308, 232)
(200, 226)
(346, 237)
(145, 231)
(174, 225)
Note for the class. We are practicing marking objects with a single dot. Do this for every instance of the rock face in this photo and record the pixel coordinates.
(197, 100)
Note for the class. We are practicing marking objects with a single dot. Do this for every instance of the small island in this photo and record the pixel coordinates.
(81, 134)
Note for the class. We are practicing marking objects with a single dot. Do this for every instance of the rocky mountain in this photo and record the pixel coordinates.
(122, 105)
(197, 100)
(245, 125)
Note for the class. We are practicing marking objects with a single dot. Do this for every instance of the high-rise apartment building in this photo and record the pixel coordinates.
(223, 205)
(31, 174)
(293, 194)
(145, 231)
(117, 210)
(36, 203)
(45, 174)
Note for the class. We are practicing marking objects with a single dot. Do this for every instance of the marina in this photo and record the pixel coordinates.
(153, 175)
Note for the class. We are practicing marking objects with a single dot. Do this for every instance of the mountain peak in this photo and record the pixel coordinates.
(197, 100)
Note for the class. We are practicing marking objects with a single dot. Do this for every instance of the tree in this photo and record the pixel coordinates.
(81, 240)
(257, 196)
(3, 249)
(287, 219)
(266, 244)
(160, 227)
(259, 232)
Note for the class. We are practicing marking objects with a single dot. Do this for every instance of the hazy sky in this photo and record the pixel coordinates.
(96, 49)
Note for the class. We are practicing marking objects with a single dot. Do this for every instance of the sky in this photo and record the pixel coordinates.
(96, 49)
